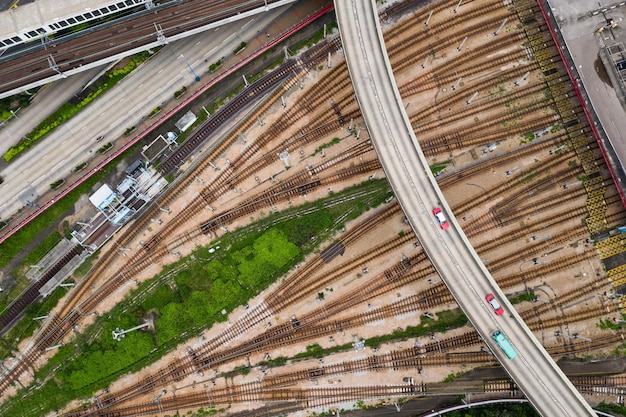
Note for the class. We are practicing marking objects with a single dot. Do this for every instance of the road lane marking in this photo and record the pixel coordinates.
(210, 52)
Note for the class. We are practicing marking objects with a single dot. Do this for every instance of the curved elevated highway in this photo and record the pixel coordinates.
(547, 388)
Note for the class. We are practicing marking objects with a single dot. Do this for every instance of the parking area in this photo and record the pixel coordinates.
(587, 28)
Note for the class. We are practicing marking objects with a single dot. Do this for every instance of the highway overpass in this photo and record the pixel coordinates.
(451, 253)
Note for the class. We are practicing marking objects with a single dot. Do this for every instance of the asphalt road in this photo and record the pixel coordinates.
(149, 86)
(578, 27)
(451, 253)
(48, 99)
(120, 38)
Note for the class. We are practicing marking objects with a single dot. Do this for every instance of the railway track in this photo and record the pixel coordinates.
(31, 294)
(175, 371)
(282, 387)
(114, 38)
(68, 317)
(321, 322)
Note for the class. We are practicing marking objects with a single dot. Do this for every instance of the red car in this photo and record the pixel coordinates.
(441, 219)
(491, 299)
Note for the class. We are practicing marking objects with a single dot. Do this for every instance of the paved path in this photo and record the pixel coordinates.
(451, 253)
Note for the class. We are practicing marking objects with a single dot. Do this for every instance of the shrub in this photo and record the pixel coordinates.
(79, 167)
(240, 48)
(155, 111)
(215, 66)
(56, 184)
(180, 92)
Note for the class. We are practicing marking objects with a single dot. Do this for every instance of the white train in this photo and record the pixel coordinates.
(46, 17)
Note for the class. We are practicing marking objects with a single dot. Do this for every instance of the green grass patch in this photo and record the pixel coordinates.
(190, 295)
(180, 92)
(452, 377)
(82, 270)
(38, 252)
(56, 184)
(312, 40)
(528, 177)
(14, 103)
(155, 111)
(445, 320)
(527, 296)
(214, 66)
(80, 167)
(16, 243)
(508, 410)
(26, 326)
(334, 141)
(439, 167)
(615, 409)
(68, 110)
(104, 148)
(240, 48)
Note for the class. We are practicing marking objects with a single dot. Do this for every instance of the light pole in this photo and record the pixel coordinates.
(196, 77)
(53, 65)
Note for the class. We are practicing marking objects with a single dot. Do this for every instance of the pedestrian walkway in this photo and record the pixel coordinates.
(287, 20)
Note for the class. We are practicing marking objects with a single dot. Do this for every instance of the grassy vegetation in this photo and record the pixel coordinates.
(13, 103)
(68, 110)
(155, 111)
(439, 167)
(39, 252)
(445, 320)
(80, 167)
(215, 66)
(27, 326)
(453, 376)
(180, 92)
(240, 48)
(13, 245)
(191, 294)
(509, 410)
(334, 141)
(315, 38)
(104, 148)
(20, 272)
(56, 184)
(614, 409)
(527, 296)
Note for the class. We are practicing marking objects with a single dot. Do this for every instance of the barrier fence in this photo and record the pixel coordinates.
(156, 125)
